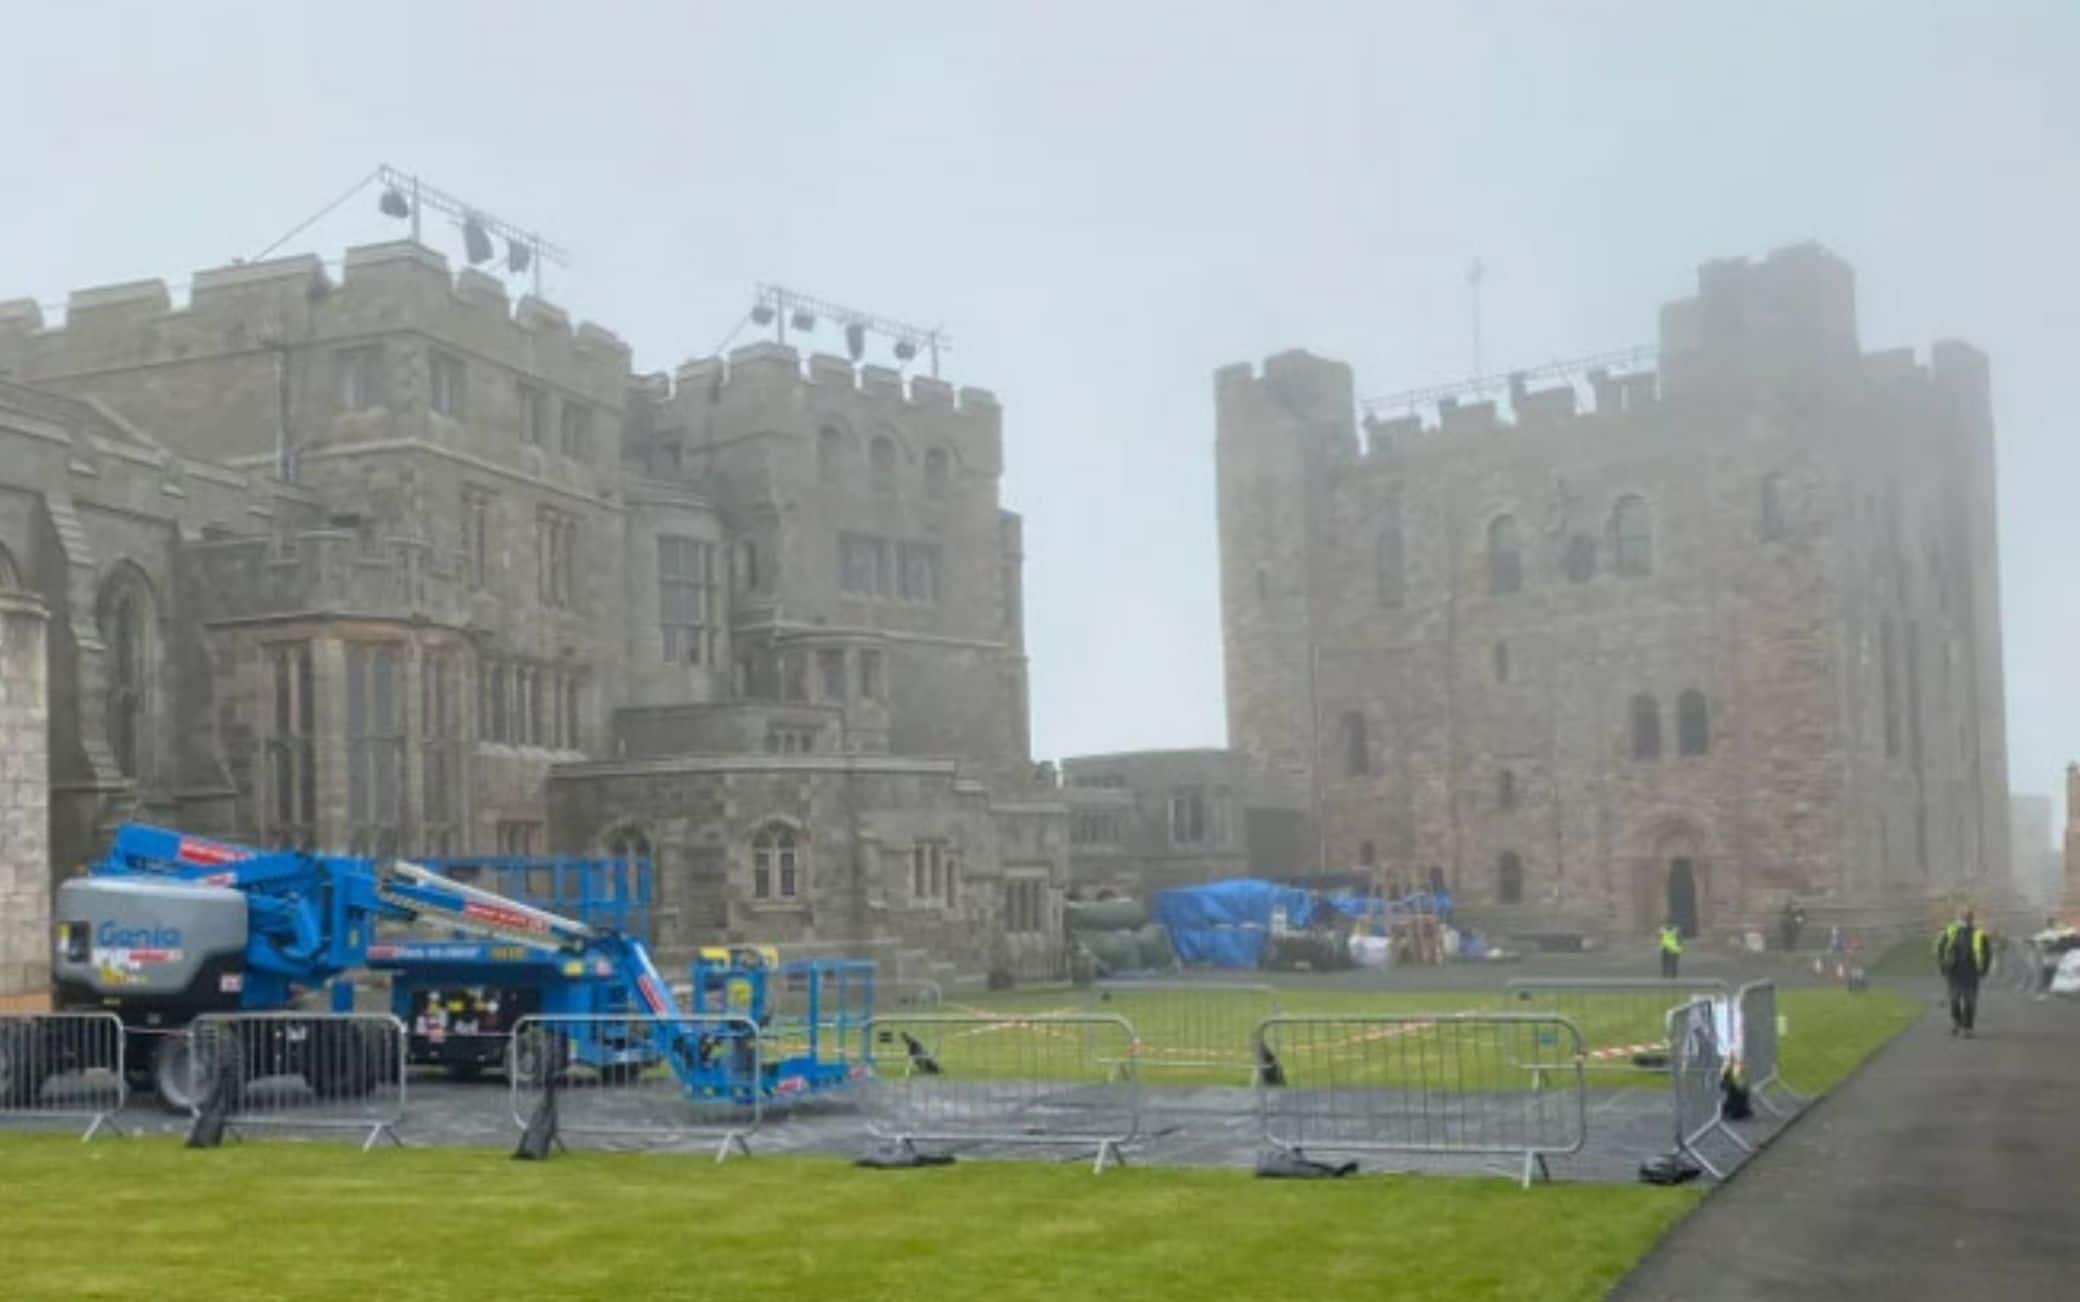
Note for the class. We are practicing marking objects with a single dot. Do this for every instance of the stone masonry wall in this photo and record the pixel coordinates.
(1816, 527)
(25, 901)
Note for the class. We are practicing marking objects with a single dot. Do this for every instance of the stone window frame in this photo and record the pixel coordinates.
(938, 473)
(1191, 817)
(10, 573)
(778, 874)
(556, 554)
(1357, 748)
(831, 454)
(1509, 878)
(688, 608)
(358, 372)
(479, 530)
(289, 813)
(1391, 559)
(920, 571)
(575, 422)
(1631, 531)
(1498, 657)
(373, 710)
(533, 402)
(831, 674)
(884, 456)
(933, 863)
(1505, 556)
(126, 616)
(1025, 904)
(447, 383)
(1693, 724)
(866, 566)
(519, 838)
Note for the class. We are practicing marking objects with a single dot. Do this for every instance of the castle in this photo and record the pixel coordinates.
(1688, 643)
(392, 564)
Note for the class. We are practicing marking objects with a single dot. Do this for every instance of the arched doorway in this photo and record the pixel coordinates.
(1682, 895)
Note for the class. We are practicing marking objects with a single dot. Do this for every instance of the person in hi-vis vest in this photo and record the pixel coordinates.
(1671, 948)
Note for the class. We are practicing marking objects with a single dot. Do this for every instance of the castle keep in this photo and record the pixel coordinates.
(1689, 642)
(390, 563)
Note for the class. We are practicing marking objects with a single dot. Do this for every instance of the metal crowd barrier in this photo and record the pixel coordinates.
(1759, 1030)
(820, 1011)
(1447, 1084)
(1061, 1080)
(63, 1067)
(1697, 1076)
(636, 1079)
(1197, 1027)
(300, 1071)
(1623, 1021)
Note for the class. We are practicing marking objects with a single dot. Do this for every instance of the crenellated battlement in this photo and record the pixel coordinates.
(766, 364)
(326, 571)
(292, 302)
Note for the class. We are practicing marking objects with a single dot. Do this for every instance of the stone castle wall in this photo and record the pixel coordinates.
(1806, 516)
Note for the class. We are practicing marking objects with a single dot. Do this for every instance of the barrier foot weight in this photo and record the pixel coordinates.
(1702, 1161)
(735, 1139)
(1535, 1168)
(1108, 1151)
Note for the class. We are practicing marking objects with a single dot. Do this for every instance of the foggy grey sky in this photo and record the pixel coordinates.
(1106, 202)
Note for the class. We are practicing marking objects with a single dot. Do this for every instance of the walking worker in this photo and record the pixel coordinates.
(1671, 948)
(1963, 955)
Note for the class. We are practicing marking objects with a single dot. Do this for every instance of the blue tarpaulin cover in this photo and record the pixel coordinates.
(1225, 924)
(1367, 907)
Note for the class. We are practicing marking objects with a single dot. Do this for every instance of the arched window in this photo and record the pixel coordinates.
(1632, 537)
(1501, 658)
(628, 841)
(1579, 562)
(1509, 878)
(1693, 724)
(10, 577)
(830, 455)
(1646, 727)
(1506, 789)
(775, 867)
(1263, 584)
(1393, 582)
(937, 467)
(125, 621)
(1357, 756)
(881, 457)
(1505, 556)
(1368, 854)
(1772, 524)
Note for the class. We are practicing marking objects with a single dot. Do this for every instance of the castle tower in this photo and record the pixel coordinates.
(1278, 435)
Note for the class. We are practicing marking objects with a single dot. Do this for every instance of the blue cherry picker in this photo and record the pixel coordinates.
(170, 927)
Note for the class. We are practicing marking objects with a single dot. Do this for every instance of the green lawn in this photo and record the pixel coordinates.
(306, 1220)
(1202, 1036)
(120, 1218)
